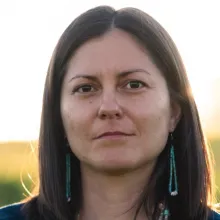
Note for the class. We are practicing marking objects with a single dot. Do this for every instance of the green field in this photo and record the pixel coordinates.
(18, 169)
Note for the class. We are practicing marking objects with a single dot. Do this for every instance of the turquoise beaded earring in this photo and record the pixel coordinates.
(173, 185)
(165, 213)
(68, 174)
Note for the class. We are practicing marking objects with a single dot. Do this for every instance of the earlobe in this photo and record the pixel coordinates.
(175, 115)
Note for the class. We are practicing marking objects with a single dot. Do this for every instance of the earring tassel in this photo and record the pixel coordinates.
(68, 175)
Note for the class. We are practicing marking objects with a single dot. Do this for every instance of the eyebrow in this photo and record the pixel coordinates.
(119, 75)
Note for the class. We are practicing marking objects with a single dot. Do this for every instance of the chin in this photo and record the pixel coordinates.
(115, 167)
(114, 171)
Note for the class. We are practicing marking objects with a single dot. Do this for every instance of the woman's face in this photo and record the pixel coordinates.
(115, 104)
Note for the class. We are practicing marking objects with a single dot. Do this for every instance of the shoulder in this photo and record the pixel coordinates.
(214, 216)
(11, 212)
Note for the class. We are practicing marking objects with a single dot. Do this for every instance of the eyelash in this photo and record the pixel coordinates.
(76, 90)
(136, 81)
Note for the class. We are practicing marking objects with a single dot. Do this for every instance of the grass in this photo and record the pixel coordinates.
(16, 158)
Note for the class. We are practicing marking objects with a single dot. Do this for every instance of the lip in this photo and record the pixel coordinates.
(113, 135)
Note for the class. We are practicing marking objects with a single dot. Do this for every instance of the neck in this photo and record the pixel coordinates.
(111, 197)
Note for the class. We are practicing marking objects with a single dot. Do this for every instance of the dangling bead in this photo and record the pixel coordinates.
(173, 175)
(166, 214)
(68, 177)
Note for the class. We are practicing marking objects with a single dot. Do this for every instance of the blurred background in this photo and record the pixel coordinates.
(29, 31)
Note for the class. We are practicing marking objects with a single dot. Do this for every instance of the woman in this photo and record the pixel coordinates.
(120, 134)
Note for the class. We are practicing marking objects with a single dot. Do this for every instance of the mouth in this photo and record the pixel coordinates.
(113, 135)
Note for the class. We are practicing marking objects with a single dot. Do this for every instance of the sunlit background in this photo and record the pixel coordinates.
(29, 31)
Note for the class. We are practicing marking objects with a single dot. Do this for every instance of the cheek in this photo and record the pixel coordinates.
(75, 130)
(153, 119)
(76, 120)
(70, 116)
(151, 107)
(156, 117)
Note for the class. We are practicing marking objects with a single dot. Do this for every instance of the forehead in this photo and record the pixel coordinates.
(114, 51)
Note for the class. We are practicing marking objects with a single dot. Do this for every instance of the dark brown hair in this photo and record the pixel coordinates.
(192, 153)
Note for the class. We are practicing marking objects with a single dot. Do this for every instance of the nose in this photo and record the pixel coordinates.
(110, 108)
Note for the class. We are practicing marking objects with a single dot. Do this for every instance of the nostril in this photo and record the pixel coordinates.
(110, 112)
(103, 116)
(117, 115)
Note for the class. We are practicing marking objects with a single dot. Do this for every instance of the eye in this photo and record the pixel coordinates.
(135, 84)
(84, 89)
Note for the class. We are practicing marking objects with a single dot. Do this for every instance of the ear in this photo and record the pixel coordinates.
(175, 115)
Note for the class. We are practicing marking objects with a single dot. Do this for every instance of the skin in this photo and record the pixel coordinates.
(115, 168)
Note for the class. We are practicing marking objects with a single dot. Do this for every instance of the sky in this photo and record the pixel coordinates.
(30, 29)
